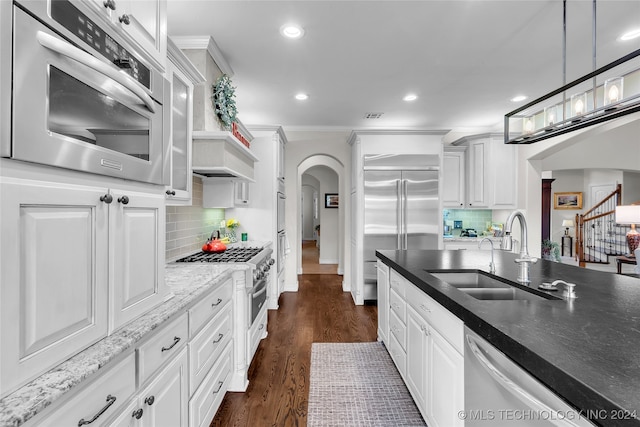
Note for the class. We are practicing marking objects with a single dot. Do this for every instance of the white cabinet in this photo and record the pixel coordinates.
(477, 155)
(426, 343)
(485, 177)
(163, 402)
(77, 262)
(383, 301)
(224, 193)
(136, 255)
(453, 178)
(142, 22)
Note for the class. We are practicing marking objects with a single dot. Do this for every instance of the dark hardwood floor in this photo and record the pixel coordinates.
(279, 375)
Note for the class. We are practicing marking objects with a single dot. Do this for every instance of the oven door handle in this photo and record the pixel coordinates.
(260, 292)
(63, 48)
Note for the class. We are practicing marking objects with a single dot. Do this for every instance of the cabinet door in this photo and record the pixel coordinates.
(417, 357)
(53, 273)
(280, 165)
(453, 179)
(165, 401)
(179, 190)
(136, 248)
(146, 22)
(504, 161)
(446, 385)
(241, 193)
(477, 180)
(383, 301)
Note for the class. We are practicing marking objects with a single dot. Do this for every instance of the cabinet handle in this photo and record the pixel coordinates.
(124, 200)
(176, 340)
(110, 401)
(124, 19)
(216, 341)
(171, 192)
(425, 308)
(217, 303)
(110, 4)
(107, 198)
(424, 329)
(261, 326)
(137, 414)
(220, 383)
(149, 400)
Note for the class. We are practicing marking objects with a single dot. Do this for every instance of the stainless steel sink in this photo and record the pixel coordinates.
(482, 286)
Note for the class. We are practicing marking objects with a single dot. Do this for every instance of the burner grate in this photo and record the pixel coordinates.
(230, 255)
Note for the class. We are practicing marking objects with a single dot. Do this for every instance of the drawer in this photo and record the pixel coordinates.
(397, 282)
(168, 342)
(210, 305)
(398, 328)
(110, 392)
(398, 355)
(438, 317)
(207, 346)
(207, 399)
(257, 331)
(397, 305)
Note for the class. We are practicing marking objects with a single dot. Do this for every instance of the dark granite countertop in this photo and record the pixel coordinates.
(587, 350)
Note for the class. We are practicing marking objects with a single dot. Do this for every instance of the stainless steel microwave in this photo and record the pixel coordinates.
(82, 98)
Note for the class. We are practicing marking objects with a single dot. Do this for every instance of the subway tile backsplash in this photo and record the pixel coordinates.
(478, 219)
(188, 227)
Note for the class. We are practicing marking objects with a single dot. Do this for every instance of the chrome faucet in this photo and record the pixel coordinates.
(492, 265)
(507, 244)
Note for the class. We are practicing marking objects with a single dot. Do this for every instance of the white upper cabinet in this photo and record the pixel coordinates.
(182, 75)
(453, 179)
(480, 171)
(143, 21)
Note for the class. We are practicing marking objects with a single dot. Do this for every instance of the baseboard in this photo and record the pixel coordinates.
(327, 261)
(291, 287)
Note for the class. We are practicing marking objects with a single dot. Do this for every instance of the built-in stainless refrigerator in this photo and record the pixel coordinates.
(401, 208)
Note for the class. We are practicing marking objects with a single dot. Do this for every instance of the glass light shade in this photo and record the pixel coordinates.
(578, 104)
(527, 125)
(551, 115)
(613, 90)
(628, 214)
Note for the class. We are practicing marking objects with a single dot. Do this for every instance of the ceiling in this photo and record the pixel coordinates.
(465, 59)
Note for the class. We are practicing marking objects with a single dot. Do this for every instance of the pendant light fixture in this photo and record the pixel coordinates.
(595, 98)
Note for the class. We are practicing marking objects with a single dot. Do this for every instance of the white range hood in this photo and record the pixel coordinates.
(220, 154)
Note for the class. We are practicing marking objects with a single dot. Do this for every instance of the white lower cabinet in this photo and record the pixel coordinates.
(207, 399)
(163, 403)
(426, 343)
(383, 297)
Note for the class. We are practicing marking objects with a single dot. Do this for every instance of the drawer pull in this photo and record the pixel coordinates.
(217, 303)
(425, 308)
(110, 401)
(220, 383)
(137, 414)
(149, 400)
(176, 340)
(216, 341)
(261, 326)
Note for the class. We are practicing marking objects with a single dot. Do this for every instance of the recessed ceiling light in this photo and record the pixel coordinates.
(630, 35)
(518, 98)
(292, 31)
(410, 97)
(302, 96)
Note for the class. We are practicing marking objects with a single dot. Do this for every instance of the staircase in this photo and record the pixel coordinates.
(597, 234)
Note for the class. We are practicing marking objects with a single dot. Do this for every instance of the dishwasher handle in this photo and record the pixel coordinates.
(508, 383)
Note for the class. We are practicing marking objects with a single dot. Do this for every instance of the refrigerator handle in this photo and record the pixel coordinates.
(405, 214)
(399, 213)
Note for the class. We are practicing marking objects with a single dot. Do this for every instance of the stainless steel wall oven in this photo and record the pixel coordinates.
(82, 98)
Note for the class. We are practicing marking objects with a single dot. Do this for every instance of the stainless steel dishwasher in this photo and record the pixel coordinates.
(500, 393)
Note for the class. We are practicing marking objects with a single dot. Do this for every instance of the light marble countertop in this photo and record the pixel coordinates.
(186, 282)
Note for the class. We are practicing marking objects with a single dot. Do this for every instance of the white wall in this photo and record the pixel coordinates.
(303, 145)
(306, 201)
(568, 180)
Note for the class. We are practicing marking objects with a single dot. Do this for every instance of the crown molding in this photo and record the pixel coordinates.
(208, 43)
(181, 62)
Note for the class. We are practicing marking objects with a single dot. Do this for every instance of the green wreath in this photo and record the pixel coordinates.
(224, 101)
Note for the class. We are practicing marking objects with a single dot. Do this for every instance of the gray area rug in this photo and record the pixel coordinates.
(357, 384)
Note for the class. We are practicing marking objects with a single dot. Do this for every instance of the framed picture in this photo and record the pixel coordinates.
(331, 200)
(567, 200)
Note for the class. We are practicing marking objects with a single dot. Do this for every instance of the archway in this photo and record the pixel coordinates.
(337, 167)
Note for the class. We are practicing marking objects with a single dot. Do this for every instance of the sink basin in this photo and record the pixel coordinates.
(483, 286)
